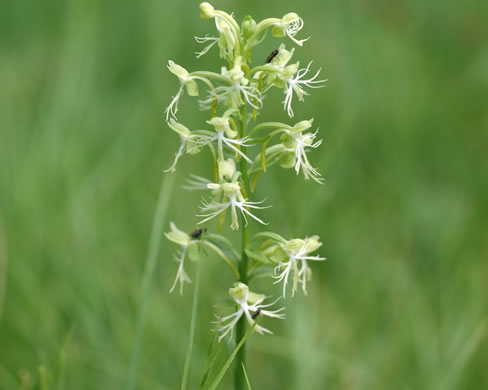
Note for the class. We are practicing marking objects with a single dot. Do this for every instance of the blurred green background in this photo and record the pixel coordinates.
(401, 302)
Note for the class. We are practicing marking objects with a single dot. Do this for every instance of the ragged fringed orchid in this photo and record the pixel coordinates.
(242, 151)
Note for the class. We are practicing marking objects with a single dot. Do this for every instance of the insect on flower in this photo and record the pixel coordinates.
(256, 314)
(272, 55)
(197, 233)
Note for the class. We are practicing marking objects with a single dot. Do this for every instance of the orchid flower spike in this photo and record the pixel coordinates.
(234, 98)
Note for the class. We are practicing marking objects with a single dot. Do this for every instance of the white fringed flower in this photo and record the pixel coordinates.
(238, 92)
(288, 255)
(187, 246)
(249, 305)
(227, 136)
(306, 141)
(295, 85)
(185, 80)
(289, 25)
(295, 144)
(189, 141)
(223, 135)
(233, 199)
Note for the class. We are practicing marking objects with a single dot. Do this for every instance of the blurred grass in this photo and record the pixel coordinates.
(402, 300)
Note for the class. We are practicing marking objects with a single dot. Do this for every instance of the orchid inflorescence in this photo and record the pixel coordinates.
(234, 96)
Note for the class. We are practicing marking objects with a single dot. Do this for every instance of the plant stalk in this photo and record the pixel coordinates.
(239, 378)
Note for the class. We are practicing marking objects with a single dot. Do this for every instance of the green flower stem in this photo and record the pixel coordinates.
(217, 76)
(264, 68)
(269, 125)
(263, 25)
(240, 379)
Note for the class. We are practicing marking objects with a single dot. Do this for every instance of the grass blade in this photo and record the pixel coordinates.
(209, 363)
(227, 364)
(154, 244)
(245, 376)
(192, 328)
(3, 271)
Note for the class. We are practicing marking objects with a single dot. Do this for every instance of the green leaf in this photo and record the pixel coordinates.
(209, 363)
(259, 38)
(217, 238)
(192, 88)
(221, 220)
(193, 322)
(257, 256)
(263, 154)
(273, 236)
(224, 257)
(261, 273)
(254, 181)
(227, 364)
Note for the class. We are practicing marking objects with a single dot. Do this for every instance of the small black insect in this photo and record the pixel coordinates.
(256, 314)
(198, 232)
(272, 55)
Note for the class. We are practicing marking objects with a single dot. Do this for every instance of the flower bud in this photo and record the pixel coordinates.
(239, 293)
(206, 10)
(177, 236)
(287, 160)
(178, 71)
(278, 31)
(179, 128)
(248, 27)
(290, 71)
(290, 18)
(230, 189)
(275, 254)
(288, 141)
(302, 126)
(192, 88)
(192, 147)
(227, 168)
(312, 243)
(294, 244)
(219, 123)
